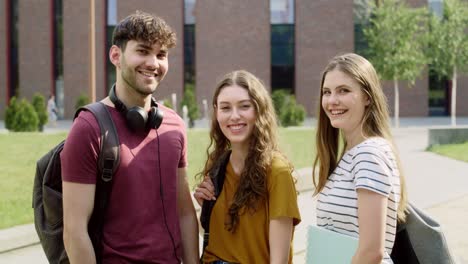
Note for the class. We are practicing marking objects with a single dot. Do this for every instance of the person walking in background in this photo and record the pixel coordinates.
(52, 110)
(254, 216)
(150, 208)
(359, 183)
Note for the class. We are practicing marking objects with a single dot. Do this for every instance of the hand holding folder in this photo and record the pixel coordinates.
(328, 247)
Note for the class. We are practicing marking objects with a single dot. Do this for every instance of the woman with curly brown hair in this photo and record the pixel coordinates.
(255, 213)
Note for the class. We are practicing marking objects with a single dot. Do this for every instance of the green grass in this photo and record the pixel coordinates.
(20, 151)
(18, 156)
(454, 151)
(297, 143)
(299, 146)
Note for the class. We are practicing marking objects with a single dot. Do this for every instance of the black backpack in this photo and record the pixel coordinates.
(217, 175)
(47, 192)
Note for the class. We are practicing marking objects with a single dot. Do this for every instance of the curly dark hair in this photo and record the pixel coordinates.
(252, 189)
(145, 27)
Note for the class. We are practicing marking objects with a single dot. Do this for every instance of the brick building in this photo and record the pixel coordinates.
(45, 48)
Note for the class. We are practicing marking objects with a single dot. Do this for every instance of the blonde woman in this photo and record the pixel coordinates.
(360, 187)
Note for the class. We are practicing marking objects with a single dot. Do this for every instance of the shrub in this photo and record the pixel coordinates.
(168, 103)
(288, 111)
(279, 98)
(25, 117)
(190, 101)
(293, 114)
(82, 100)
(39, 105)
(10, 112)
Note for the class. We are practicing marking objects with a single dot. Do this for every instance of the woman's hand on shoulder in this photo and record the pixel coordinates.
(204, 191)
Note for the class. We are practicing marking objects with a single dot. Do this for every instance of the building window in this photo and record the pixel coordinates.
(12, 49)
(436, 7)
(282, 44)
(111, 22)
(362, 11)
(439, 87)
(189, 44)
(189, 54)
(57, 33)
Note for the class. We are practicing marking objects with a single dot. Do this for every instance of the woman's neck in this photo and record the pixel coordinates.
(354, 138)
(237, 159)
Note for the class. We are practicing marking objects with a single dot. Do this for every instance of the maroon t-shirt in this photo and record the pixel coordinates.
(135, 229)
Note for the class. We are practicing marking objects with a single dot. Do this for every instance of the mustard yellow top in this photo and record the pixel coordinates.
(250, 243)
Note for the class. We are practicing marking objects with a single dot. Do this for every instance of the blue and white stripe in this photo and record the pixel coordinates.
(369, 165)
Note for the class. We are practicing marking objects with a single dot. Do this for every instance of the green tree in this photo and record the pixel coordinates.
(39, 105)
(449, 45)
(190, 101)
(397, 39)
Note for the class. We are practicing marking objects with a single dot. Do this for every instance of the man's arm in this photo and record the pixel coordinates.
(187, 219)
(78, 203)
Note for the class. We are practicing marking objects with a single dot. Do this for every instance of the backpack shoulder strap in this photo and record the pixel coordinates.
(108, 162)
(217, 174)
(109, 159)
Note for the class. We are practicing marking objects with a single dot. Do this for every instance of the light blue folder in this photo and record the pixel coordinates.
(328, 247)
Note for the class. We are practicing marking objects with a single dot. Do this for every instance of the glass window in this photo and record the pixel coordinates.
(282, 11)
(189, 53)
(282, 44)
(362, 11)
(58, 56)
(111, 7)
(436, 7)
(13, 45)
(439, 87)
(111, 12)
(189, 44)
(438, 94)
(189, 15)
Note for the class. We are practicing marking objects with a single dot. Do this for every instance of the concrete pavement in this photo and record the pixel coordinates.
(435, 183)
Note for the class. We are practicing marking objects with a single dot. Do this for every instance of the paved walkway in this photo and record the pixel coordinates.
(435, 183)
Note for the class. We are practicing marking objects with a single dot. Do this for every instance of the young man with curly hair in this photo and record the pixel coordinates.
(149, 207)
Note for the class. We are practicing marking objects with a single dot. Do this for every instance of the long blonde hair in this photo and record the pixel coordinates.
(375, 122)
(263, 145)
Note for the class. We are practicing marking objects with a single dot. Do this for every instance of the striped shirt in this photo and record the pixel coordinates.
(370, 165)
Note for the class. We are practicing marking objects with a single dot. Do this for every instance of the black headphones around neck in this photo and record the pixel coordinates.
(137, 118)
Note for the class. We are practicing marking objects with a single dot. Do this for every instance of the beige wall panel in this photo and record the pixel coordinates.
(323, 30)
(35, 48)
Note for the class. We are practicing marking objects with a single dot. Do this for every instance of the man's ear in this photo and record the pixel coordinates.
(114, 55)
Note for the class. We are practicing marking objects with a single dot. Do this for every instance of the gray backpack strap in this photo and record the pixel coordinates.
(108, 163)
(217, 174)
(110, 146)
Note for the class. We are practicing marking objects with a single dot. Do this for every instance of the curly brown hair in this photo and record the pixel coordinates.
(145, 27)
(252, 189)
